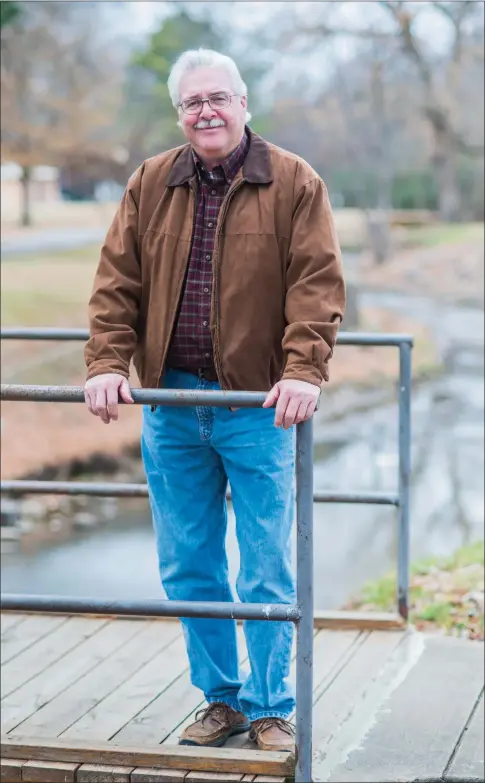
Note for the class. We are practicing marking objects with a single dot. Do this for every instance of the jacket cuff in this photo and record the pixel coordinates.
(307, 373)
(102, 367)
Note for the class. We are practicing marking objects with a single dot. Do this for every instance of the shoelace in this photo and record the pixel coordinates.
(267, 723)
(217, 710)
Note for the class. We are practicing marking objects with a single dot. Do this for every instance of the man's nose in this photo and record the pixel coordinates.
(207, 112)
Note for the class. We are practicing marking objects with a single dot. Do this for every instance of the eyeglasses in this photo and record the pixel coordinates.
(218, 100)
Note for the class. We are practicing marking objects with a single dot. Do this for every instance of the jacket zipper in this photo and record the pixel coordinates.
(215, 281)
(179, 292)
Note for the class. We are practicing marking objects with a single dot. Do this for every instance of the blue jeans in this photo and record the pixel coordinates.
(189, 455)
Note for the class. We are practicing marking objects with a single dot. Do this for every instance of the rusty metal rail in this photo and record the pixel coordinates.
(302, 612)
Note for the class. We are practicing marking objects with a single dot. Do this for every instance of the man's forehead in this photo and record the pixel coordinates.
(203, 80)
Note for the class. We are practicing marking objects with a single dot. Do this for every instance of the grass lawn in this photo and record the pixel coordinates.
(444, 233)
(445, 592)
(48, 290)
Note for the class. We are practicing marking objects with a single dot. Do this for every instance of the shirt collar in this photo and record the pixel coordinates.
(230, 165)
(257, 167)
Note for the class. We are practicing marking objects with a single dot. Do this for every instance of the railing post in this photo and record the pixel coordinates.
(404, 478)
(304, 576)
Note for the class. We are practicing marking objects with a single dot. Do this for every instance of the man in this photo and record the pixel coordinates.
(221, 270)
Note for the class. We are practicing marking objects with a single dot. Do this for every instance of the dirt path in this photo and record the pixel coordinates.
(454, 271)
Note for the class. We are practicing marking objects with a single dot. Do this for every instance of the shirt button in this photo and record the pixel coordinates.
(213, 192)
(208, 257)
(207, 355)
(206, 290)
(210, 225)
(229, 181)
(204, 323)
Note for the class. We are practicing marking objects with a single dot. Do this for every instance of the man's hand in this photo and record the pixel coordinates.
(101, 395)
(295, 401)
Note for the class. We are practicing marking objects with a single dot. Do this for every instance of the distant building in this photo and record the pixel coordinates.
(44, 186)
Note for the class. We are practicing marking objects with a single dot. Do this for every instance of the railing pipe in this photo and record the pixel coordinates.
(302, 614)
(55, 333)
(110, 489)
(403, 548)
(150, 607)
(304, 588)
(172, 397)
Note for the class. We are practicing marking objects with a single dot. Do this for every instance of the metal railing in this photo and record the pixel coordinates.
(302, 613)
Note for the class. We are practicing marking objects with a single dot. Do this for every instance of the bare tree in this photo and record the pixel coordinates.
(60, 93)
(442, 77)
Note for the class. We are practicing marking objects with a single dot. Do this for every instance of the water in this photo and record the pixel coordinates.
(353, 543)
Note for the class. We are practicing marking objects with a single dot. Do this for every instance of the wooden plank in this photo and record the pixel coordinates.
(160, 718)
(268, 779)
(53, 771)
(414, 733)
(213, 777)
(9, 620)
(340, 620)
(11, 770)
(103, 773)
(23, 635)
(338, 697)
(66, 708)
(173, 756)
(46, 651)
(31, 696)
(152, 775)
(122, 705)
(469, 761)
(362, 621)
(331, 650)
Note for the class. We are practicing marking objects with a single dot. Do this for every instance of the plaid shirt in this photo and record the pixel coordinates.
(191, 344)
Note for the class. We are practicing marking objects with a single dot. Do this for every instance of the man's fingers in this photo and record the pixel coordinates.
(89, 402)
(273, 395)
(281, 406)
(125, 392)
(112, 402)
(291, 412)
(306, 411)
(100, 405)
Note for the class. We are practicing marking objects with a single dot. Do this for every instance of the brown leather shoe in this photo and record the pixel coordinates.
(214, 725)
(273, 734)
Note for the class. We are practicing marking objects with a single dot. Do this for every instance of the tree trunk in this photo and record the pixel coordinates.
(379, 235)
(26, 217)
(351, 320)
(445, 161)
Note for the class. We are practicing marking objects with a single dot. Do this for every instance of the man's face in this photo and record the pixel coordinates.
(212, 143)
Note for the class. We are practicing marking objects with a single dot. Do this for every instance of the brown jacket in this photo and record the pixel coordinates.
(278, 293)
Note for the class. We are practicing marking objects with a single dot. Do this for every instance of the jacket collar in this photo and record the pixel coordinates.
(256, 167)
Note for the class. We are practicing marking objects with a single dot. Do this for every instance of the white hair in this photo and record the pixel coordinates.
(204, 58)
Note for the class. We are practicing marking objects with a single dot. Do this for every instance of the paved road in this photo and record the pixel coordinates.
(51, 239)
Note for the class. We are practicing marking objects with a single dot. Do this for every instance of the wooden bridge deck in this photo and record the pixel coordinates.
(102, 699)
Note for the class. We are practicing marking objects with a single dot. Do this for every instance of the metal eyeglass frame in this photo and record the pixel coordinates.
(208, 100)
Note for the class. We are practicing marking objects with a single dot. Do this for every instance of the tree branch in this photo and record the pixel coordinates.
(327, 31)
(457, 20)
(405, 19)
